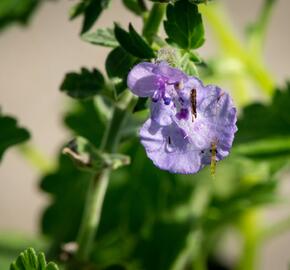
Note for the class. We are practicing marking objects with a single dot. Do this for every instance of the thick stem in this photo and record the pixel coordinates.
(91, 218)
(153, 21)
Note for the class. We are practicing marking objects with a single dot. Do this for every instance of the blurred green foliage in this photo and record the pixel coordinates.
(152, 219)
(20, 12)
(11, 133)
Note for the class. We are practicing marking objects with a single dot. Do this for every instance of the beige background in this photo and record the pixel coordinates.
(32, 63)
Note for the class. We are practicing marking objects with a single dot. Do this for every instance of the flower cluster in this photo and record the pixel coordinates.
(191, 125)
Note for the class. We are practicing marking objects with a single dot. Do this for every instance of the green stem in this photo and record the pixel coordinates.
(91, 218)
(250, 229)
(200, 200)
(98, 186)
(112, 135)
(258, 30)
(232, 46)
(36, 158)
(153, 21)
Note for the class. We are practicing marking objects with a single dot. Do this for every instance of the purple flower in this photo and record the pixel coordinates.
(191, 125)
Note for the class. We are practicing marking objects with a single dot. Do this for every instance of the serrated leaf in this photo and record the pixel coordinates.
(118, 63)
(83, 85)
(11, 134)
(102, 37)
(133, 43)
(184, 25)
(29, 260)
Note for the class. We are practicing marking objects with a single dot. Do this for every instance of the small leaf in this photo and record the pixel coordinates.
(83, 85)
(118, 63)
(135, 6)
(88, 157)
(91, 10)
(133, 43)
(10, 133)
(29, 260)
(102, 37)
(184, 25)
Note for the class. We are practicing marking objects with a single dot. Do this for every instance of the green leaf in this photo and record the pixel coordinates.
(67, 186)
(227, 210)
(102, 37)
(29, 260)
(85, 120)
(184, 25)
(11, 134)
(135, 6)
(83, 85)
(91, 10)
(118, 63)
(133, 43)
(16, 11)
(264, 130)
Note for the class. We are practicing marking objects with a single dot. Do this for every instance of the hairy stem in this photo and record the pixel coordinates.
(99, 183)
(91, 218)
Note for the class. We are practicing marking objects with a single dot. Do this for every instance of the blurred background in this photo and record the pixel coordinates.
(33, 61)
